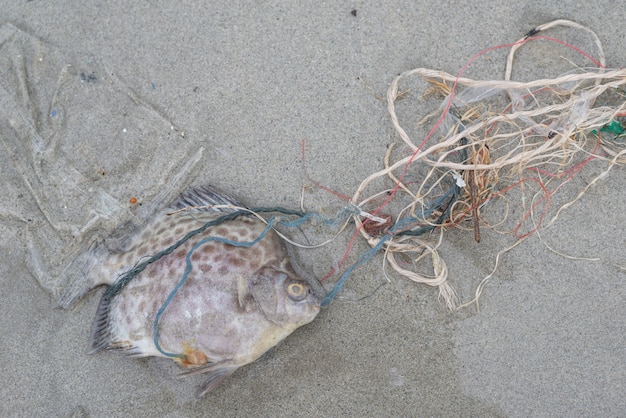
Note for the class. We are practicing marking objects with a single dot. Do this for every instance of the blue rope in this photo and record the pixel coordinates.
(366, 256)
(341, 215)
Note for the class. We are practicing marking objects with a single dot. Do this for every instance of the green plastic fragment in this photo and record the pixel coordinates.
(614, 127)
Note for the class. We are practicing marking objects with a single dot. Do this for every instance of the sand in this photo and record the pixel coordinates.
(160, 97)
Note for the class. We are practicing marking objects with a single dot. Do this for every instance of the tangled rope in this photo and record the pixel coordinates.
(492, 137)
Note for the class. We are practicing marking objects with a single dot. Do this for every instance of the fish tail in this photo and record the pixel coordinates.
(77, 278)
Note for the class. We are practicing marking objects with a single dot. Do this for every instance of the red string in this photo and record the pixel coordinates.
(316, 183)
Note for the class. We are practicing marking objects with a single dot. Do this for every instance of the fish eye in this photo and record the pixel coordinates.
(297, 291)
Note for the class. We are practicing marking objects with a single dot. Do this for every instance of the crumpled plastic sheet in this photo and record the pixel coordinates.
(77, 144)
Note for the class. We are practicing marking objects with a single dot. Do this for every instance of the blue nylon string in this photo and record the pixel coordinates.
(397, 229)
(340, 217)
(363, 258)
(188, 267)
(450, 195)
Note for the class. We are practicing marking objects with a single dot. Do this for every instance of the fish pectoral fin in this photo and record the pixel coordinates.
(243, 292)
(217, 373)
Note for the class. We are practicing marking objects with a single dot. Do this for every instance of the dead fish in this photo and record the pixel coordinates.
(234, 304)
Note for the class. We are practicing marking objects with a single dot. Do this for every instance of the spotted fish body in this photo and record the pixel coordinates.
(235, 303)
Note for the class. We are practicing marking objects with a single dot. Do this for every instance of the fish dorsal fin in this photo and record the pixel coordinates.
(205, 196)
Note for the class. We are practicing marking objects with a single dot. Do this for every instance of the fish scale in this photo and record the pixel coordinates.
(233, 305)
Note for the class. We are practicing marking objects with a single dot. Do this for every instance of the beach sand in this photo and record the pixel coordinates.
(142, 100)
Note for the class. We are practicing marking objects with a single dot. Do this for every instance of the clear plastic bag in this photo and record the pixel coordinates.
(77, 144)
